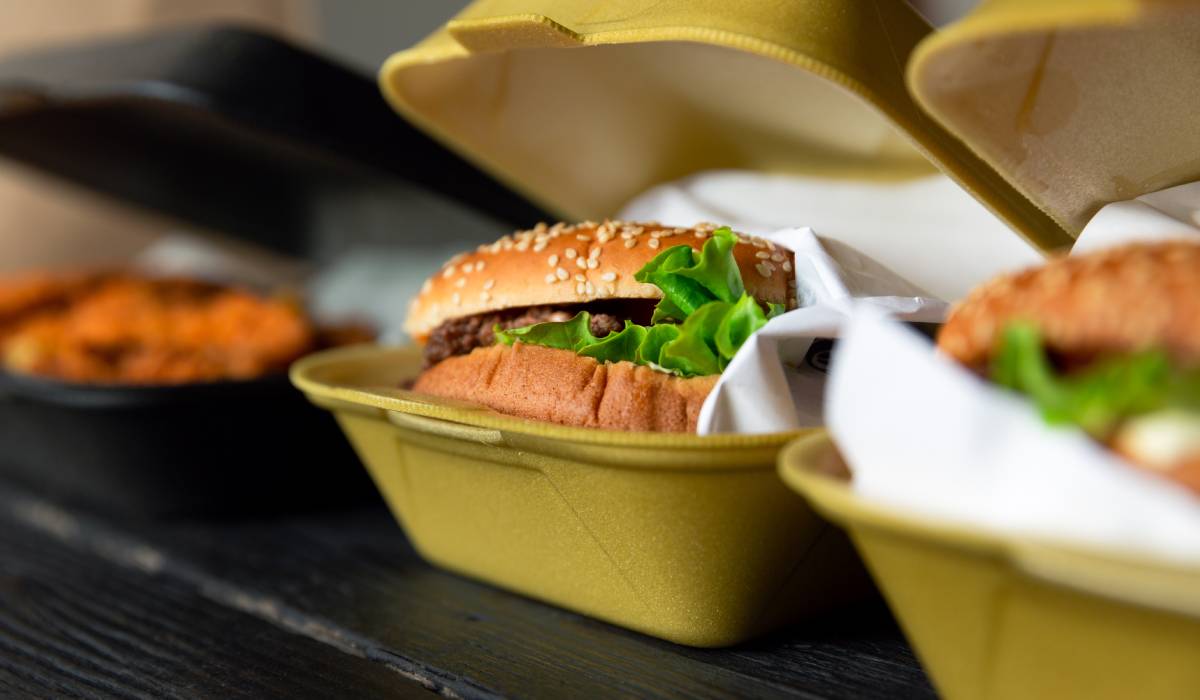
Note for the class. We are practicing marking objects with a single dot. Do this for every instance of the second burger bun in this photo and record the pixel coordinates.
(577, 264)
(1119, 300)
(558, 386)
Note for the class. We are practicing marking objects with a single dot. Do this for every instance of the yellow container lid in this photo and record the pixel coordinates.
(583, 105)
(1061, 105)
(1076, 103)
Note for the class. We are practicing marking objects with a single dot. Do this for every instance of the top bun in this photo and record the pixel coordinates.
(1118, 300)
(580, 263)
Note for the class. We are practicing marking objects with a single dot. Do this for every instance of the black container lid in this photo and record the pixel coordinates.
(229, 129)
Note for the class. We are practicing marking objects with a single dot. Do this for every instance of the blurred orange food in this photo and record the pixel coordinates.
(123, 328)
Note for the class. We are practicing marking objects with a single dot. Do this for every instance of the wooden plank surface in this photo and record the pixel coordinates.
(349, 583)
(73, 624)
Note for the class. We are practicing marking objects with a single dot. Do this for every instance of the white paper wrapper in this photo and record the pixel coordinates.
(1166, 214)
(912, 227)
(768, 387)
(921, 433)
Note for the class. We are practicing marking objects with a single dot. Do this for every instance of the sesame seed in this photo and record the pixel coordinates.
(612, 291)
(701, 234)
(609, 276)
(539, 246)
(589, 288)
(522, 245)
(658, 234)
(427, 286)
(540, 227)
(787, 266)
(561, 273)
(594, 253)
(570, 253)
(468, 268)
(489, 284)
(579, 288)
(550, 278)
(580, 278)
(582, 237)
(769, 266)
(653, 243)
(592, 263)
(552, 261)
(757, 243)
(479, 265)
(628, 234)
(770, 245)
(630, 242)
(460, 282)
(581, 263)
(763, 270)
(762, 255)
(776, 257)
(485, 296)
(457, 299)
(448, 271)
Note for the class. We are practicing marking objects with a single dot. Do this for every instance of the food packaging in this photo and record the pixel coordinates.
(1004, 616)
(173, 122)
(1078, 105)
(582, 107)
(688, 538)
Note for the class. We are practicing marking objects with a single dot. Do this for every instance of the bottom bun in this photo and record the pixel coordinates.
(558, 386)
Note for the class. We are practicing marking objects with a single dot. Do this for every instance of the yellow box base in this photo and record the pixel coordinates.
(692, 539)
(1003, 617)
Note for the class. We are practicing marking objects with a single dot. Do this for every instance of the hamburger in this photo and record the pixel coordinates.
(1108, 342)
(616, 325)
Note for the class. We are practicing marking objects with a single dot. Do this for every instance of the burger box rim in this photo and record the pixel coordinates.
(320, 376)
(1061, 563)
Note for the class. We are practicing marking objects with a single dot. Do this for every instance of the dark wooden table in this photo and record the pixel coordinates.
(338, 605)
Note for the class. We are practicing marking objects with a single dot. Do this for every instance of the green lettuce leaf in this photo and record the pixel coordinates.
(741, 321)
(689, 281)
(695, 351)
(564, 335)
(650, 352)
(615, 347)
(1098, 397)
(702, 320)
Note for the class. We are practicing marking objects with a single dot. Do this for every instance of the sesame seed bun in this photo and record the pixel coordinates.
(576, 264)
(1118, 300)
(558, 386)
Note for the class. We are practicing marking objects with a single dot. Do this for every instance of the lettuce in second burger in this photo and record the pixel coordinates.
(703, 318)
(1100, 396)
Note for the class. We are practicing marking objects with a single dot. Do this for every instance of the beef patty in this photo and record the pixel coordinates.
(459, 336)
